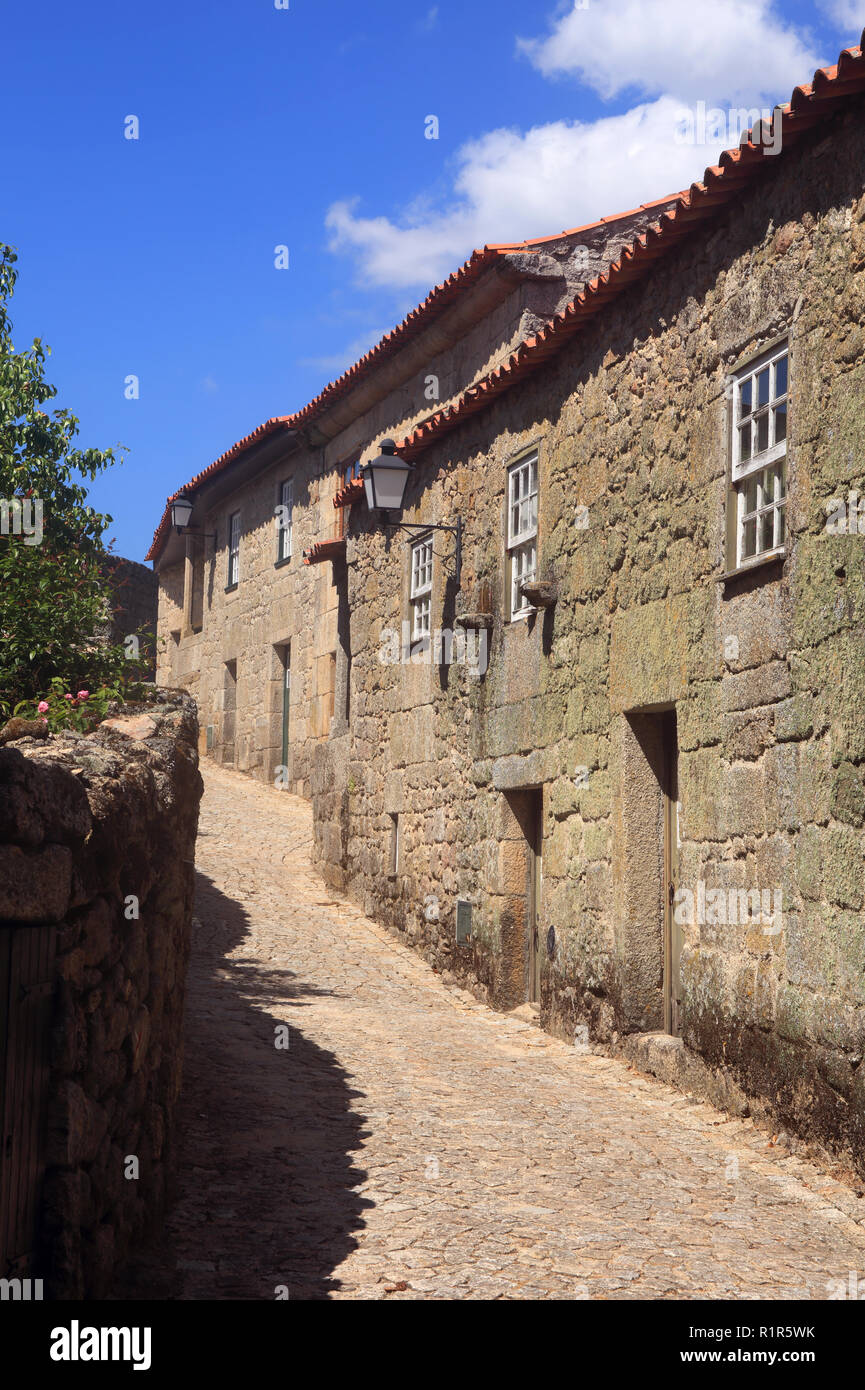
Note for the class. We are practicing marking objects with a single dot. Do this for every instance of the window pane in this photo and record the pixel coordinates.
(745, 398)
(763, 387)
(782, 525)
(522, 494)
(421, 567)
(751, 494)
(762, 431)
(781, 377)
(780, 482)
(780, 414)
(766, 531)
(531, 562)
(749, 539)
(744, 443)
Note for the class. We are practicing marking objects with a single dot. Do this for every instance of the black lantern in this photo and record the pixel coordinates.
(384, 479)
(181, 511)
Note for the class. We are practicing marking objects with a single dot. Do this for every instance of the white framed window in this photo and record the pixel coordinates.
(420, 591)
(522, 545)
(233, 549)
(284, 520)
(758, 487)
(761, 513)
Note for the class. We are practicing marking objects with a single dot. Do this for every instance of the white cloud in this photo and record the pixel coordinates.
(209, 385)
(339, 362)
(731, 51)
(513, 184)
(430, 19)
(848, 15)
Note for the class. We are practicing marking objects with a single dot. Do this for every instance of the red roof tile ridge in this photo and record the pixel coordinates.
(585, 227)
(260, 432)
(733, 163)
(742, 159)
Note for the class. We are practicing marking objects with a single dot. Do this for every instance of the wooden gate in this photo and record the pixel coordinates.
(26, 999)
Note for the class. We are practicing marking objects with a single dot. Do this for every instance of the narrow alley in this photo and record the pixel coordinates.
(410, 1143)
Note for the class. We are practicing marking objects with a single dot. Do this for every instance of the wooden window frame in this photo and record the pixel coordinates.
(758, 471)
(420, 587)
(347, 473)
(522, 530)
(284, 533)
(233, 552)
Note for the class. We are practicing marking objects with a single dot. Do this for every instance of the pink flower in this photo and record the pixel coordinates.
(83, 694)
(67, 697)
(42, 707)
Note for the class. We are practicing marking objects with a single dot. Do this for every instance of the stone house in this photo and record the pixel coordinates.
(244, 624)
(619, 772)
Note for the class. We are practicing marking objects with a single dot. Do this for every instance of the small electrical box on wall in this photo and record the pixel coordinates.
(464, 922)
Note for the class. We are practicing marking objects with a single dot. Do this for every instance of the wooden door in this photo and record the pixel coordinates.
(286, 700)
(534, 837)
(672, 929)
(229, 711)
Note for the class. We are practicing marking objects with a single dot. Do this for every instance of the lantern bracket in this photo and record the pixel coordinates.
(420, 527)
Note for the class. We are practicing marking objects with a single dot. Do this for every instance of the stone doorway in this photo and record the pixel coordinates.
(647, 869)
(522, 862)
(229, 712)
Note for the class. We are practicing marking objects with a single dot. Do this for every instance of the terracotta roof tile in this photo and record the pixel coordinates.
(352, 492)
(809, 103)
(324, 550)
(261, 432)
(719, 185)
(436, 303)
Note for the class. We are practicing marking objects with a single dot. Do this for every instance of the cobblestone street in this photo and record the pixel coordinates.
(413, 1144)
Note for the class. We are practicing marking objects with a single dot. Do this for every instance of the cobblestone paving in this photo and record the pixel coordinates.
(412, 1144)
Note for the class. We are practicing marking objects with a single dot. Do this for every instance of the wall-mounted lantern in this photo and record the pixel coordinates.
(384, 481)
(181, 511)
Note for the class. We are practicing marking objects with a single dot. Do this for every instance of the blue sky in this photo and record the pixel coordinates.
(305, 127)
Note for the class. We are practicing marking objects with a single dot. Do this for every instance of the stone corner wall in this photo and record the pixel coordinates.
(331, 788)
(134, 601)
(97, 840)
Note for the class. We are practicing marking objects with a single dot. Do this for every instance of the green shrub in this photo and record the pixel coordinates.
(54, 594)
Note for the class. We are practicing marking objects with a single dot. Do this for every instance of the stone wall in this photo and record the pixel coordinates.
(631, 422)
(98, 837)
(134, 599)
(233, 660)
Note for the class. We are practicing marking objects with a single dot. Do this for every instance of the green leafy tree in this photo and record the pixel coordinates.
(54, 594)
